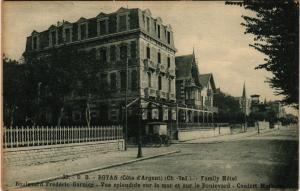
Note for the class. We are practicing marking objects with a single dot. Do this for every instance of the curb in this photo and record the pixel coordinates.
(222, 141)
(96, 169)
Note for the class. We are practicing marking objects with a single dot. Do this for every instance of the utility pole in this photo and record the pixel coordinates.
(126, 100)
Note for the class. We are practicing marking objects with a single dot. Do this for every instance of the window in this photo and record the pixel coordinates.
(53, 37)
(170, 85)
(134, 80)
(123, 79)
(149, 79)
(148, 24)
(35, 42)
(133, 49)
(169, 62)
(165, 33)
(68, 35)
(158, 57)
(158, 31)
(148, 52)
(102, 27)
(113, 81)
(113, 53)
(123, 52)
(103, 79)
(169, 37)
(103, 58)
(122, 23)
(159, 82)
(83, 32)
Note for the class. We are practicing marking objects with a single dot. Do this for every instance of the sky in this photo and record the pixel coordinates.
(213, 29)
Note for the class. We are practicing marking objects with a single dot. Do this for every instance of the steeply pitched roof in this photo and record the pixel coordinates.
(205, 79)
(186, 67)
(183, 66)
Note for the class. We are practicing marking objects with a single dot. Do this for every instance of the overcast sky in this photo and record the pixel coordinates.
(212, 28)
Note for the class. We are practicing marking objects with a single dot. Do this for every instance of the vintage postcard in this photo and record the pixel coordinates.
(150, 95)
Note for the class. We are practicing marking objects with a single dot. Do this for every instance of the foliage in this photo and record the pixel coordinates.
(229, 109)
(276, 30)
(49, 83)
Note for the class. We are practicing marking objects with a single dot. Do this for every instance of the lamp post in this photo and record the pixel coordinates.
(126, 114)
(140, 113)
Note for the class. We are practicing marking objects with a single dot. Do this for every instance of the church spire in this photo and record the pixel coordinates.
(244, 91)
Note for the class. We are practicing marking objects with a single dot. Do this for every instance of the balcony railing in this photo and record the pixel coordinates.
(162, 94)
(150, 92)
(162, 68)
(149, 64)
(213, 109)
(172, 96)
(193, 102)
(171, 72)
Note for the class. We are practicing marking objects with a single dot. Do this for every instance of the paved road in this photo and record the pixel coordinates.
(255, 162)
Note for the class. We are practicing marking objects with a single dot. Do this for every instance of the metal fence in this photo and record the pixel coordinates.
(44, 135)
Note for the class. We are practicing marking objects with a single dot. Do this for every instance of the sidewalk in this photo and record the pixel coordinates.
(92, 162)
(224, 138)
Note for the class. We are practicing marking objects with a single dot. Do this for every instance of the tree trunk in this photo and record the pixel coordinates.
(61, 115)
(88, 113)
(12, 116)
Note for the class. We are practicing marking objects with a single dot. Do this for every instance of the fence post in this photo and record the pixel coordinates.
(38, 135)
(47, 135)
(72, 130)
(100, 133)
(42, 135)
(4, 137)
(79, 133)
(17, 136)
(27, 135)
(11, 136)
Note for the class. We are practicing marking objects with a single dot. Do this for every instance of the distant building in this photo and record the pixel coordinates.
(245, 103)
(194, 91)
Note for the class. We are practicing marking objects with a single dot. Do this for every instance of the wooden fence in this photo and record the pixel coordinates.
(44, 135)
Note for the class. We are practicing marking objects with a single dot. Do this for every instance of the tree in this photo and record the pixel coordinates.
(229, 108)
(51, 83)
(276, 30)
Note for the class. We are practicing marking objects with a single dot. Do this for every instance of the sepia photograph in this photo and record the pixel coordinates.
(150, 95)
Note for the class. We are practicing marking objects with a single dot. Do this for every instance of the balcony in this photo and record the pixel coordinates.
(171, 72)
(213, 109)
(172, 97)
(193, 103)
(162, 68)
(149, 64)
(162, 94)
(150, 92)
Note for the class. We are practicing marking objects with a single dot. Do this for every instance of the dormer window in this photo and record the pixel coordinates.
(35, 43)
(67, 35)
(53, 38)
(122, 23)
(169, 37)
(158, 31)
(102, 27)
(148, 24)
(83, 31)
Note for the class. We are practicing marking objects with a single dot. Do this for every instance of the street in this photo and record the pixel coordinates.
(254, 162)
